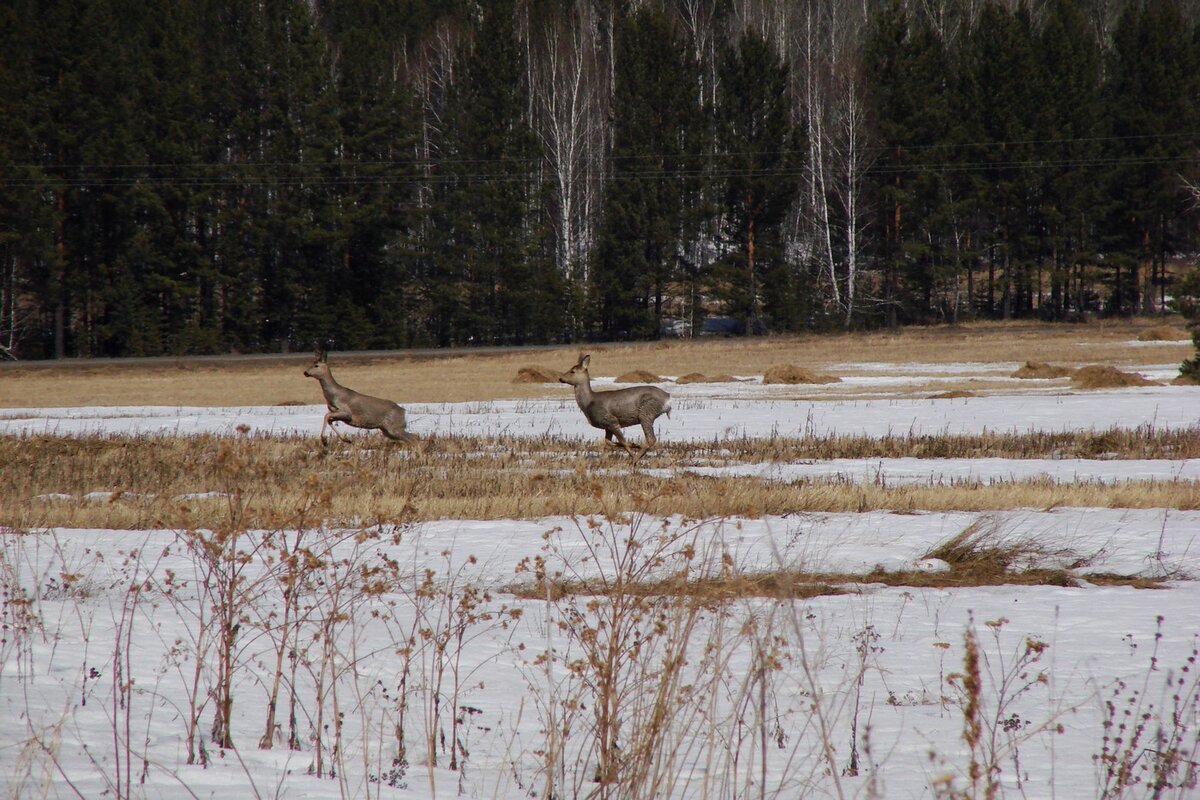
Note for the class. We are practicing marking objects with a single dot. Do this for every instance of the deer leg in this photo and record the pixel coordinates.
(397, 437)
(608, 439)
(621, 441)
(648, 431)
(333, 417)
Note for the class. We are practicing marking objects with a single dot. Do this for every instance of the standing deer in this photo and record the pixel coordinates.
(355, 409)
(610, 411)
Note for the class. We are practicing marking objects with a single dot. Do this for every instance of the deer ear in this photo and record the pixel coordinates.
(583, 361)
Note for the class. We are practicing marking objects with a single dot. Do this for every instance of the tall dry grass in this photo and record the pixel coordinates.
(276, 482)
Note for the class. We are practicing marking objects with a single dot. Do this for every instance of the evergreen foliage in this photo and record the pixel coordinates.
(245, 177)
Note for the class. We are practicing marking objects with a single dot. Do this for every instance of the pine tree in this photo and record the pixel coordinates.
(496, 283)
(1070, 67)
(1152, 103)
(656, 125)
(26, 224)
(910, 92)
(759, 150)
(1003, 99)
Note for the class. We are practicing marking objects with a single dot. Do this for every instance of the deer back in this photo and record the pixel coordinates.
(628, 406)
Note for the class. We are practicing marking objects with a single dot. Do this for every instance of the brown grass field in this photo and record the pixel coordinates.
(271, 482)
(452, 377)
(265, 482)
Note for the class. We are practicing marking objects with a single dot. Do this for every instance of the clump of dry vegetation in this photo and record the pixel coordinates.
(1163, 333)
(638, 376)
(1103, 376)
(1040, 370)
(535, 375)
(954, 394)
(791, 374)
(700, 377)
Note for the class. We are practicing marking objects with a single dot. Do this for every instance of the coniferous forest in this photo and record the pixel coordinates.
(248, 176)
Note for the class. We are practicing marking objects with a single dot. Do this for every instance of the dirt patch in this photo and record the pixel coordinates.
(1041, 370)
(637, 376)
(1102, 376)
(535, 375)
(1163, 333)
(697, 377)
(791, 374)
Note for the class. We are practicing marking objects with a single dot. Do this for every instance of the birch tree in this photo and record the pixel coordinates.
(570, 90)
(827, 223)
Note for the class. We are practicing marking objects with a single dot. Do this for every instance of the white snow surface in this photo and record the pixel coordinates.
(699, 412)
(874, 660)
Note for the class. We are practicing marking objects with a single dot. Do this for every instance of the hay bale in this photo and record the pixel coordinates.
(791, 374)
(638, 376)
(1102, 376)
(1163, 333)
(1040, 370)
(697, 377)
(536, 375)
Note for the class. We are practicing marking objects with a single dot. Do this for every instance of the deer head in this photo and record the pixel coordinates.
(578, 374)
(319, 366)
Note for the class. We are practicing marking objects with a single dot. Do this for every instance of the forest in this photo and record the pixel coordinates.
(249, 175)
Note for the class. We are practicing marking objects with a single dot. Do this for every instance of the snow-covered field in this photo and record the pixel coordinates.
(111, 642)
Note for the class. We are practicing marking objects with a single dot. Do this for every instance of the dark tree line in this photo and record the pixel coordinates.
(245, 176)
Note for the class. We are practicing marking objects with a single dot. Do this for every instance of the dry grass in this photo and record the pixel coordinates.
(140, 482)
(453, 376)
(536, 375)
(699, 377)
(637, 376)
(1164, 333)
(791, 374)
(799, 585)
(1040, 370)
(978, 556)
(151, 482)
(1103, 376)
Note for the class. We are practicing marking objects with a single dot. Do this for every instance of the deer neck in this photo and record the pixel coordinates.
(329, 387)
(583, 392)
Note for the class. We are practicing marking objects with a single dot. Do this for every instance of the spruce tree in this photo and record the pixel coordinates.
(1003, 99)
(497, 284)
(656, 125)
(1070, 66)
(758, 157)
(910, 92)
(1152, 103)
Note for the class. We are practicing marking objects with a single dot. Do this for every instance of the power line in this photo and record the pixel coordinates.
(426, 162)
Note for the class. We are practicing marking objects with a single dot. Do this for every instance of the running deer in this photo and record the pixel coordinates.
(355, 409)
(612, 410)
